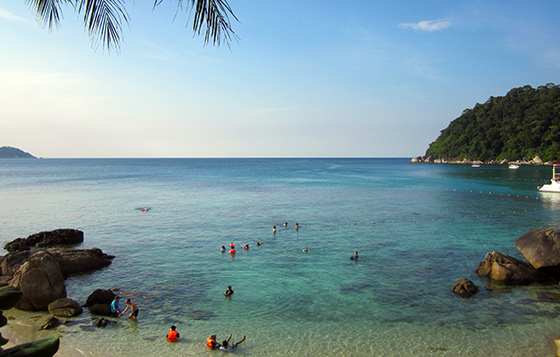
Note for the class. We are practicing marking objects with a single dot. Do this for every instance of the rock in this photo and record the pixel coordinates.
(41, 281)
(507, 270)
(100, 296)
(541, 247)
(46, 239)
(52, 322)
(77, 261)
(102, 322)
(65, 307)
(464, 288)
(101, 309)
(537, 160)
(72, 261)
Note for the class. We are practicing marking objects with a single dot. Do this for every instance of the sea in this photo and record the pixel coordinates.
(418, 228)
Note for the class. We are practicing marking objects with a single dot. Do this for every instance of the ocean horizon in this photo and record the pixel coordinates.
(418, 229)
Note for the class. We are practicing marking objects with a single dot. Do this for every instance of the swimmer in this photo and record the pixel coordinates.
(355, 256)
(229, 291)
(223, 249)
(232, 251)
(173, 335)
(285, 224)
(274, 229)
(259, 244)
(133, 309)
(246, 247)
(305, 250)
(211, 343)
(296, 226)
(227, 347)
(231, 245)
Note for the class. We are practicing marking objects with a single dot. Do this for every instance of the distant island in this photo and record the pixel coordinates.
(7, 152)
(523, 126)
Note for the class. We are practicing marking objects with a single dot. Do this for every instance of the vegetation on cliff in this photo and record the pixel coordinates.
(521, 125)
(7, 152)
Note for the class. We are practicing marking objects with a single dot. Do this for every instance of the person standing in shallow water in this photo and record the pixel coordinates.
(173, 334)
(115, 311)
(229, 291)
(133, 309)
(274, 229)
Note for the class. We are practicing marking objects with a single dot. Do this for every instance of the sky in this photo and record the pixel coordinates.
(329, 78)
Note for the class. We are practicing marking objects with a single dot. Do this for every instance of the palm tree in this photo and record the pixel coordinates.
(104, 18)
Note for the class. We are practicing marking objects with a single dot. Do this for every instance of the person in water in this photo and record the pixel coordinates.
(115, 311)
(259, 244)
(133, 309)
(223, 249)
(246, 247)
(355, 256)
(232, 251)
(285, 224)
(296, 226)
(173, 335)
(274, 229)
(229, 291)
(227, 347)
(305, 250)
(211, 343)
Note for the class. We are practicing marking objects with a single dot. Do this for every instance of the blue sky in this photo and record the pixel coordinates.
(312, 78)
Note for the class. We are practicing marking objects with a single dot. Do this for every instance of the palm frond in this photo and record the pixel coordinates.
(212, 17)
(47, 12)
(103, 19)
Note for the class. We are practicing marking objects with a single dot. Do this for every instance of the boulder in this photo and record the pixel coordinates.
(464, 288)
(100, 296)
(41, 281)
(101, 309)
(51, 323)
(65, 307)
(541, 247)
(72, 261)
(77, 261)
(503, 269)
(46, 239)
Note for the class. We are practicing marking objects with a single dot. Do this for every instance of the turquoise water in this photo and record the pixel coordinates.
(418, 229)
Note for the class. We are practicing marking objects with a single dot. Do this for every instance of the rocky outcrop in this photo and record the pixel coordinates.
(455, 160)
(72, 261)
(503, 269)
(100, 296)
(65, 307)
(101, 309)
(54, 238)
(464, 288)
(41, 281)
(541, 247)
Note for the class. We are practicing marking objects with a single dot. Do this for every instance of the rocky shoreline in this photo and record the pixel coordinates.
(536, 161)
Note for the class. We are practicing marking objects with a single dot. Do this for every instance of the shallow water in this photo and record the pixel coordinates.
(418, 229)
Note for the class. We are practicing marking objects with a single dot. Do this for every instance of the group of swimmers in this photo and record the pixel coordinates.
(297, 227)
(211, 343)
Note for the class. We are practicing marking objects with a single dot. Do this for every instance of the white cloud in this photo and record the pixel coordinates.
(429, 25)
(6, 15)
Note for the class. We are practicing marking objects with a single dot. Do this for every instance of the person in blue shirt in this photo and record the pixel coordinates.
(115, 311)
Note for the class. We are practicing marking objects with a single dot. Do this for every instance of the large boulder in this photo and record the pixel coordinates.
(464, 288)
(101, 309)
(41, 281)
(65, 307)
(503, 269)
(100, 296)
(77, 261)
(46, 239)
(541, 247)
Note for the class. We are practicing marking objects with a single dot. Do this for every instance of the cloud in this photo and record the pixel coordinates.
(6, 15)
(429, 25)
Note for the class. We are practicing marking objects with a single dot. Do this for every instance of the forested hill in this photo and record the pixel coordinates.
(521, 125)
(7, 152)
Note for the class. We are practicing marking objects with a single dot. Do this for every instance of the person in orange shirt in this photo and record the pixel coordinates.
(173, 335)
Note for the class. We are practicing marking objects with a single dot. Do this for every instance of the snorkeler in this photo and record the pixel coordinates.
(355, 256)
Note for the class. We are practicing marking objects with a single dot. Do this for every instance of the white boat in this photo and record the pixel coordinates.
(554, 185)
(513, 166)
(475, 165)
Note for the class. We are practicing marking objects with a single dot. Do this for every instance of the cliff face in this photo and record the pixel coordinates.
(523, 124)
(7, 152)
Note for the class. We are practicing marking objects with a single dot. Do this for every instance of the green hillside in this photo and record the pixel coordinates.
(7, 152)
(521, 125)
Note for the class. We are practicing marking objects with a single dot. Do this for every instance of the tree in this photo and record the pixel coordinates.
(103, 19)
